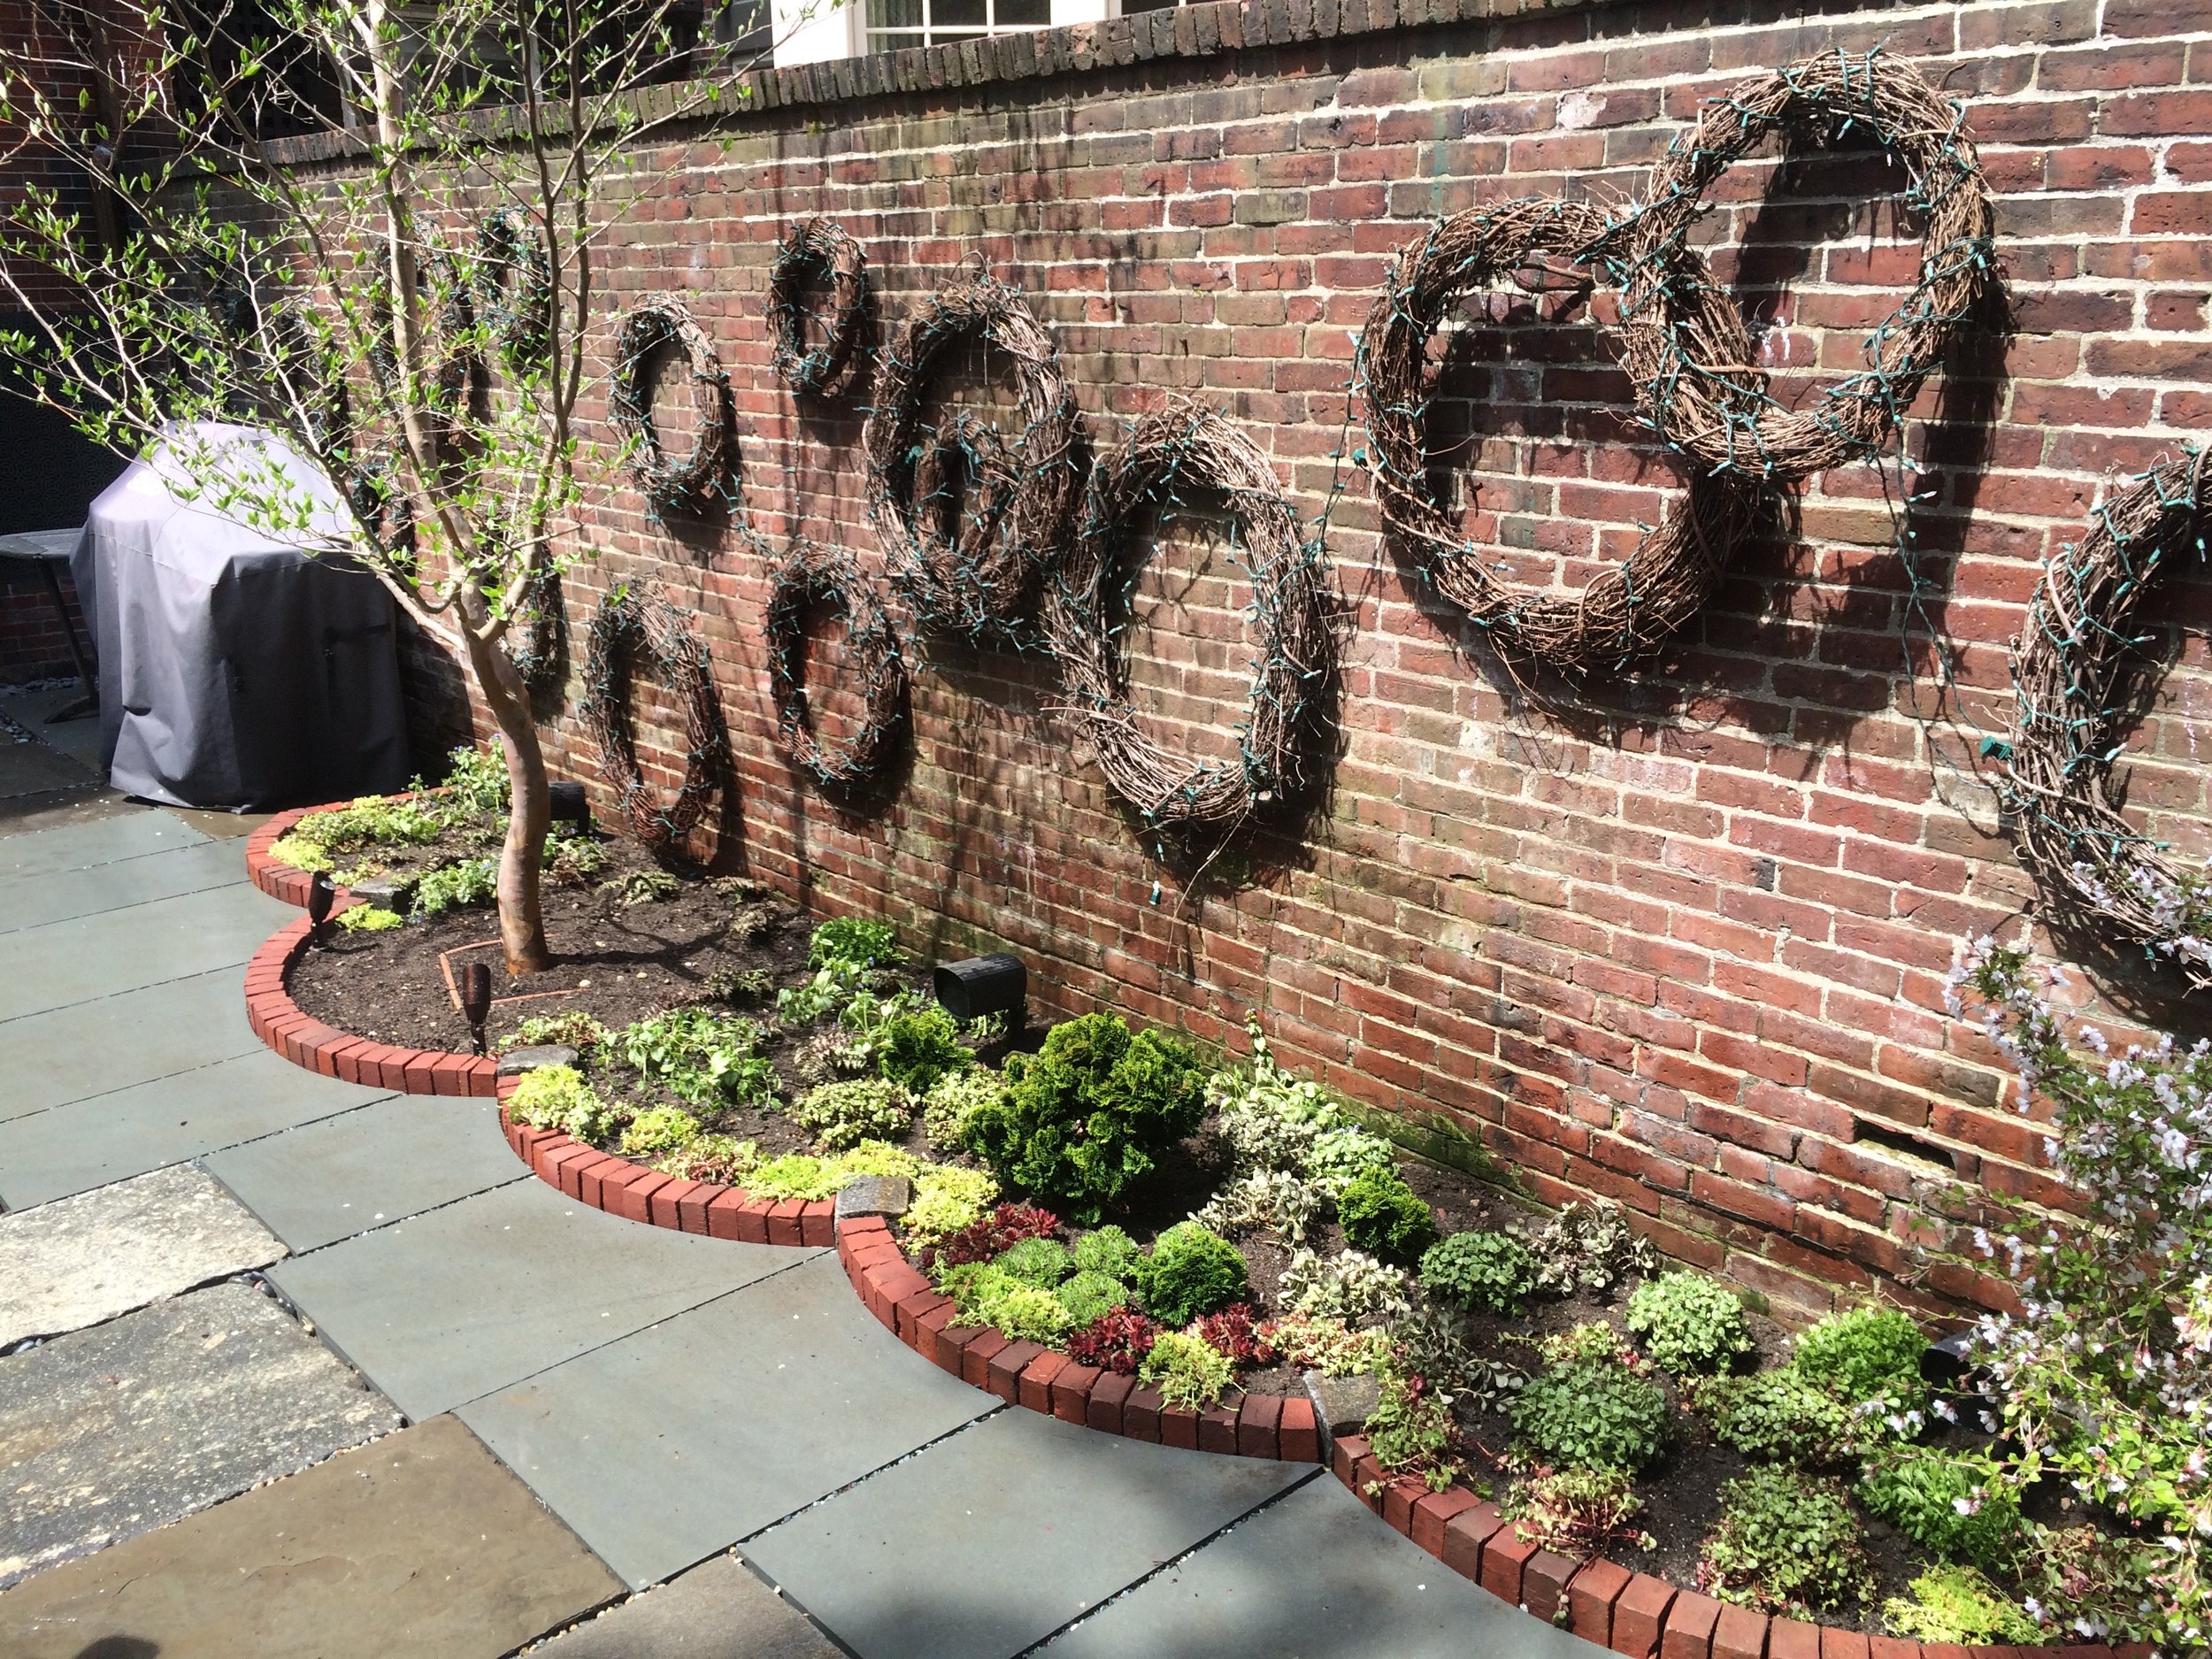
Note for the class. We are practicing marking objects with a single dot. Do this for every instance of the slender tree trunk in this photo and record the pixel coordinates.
(530, 814)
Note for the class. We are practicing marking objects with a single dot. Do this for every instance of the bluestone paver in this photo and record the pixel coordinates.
(343, 1175)
(33, 768)
(106, 840)
(62, 963)
(61, 896)
(450, 1305)
(993, 1537)
(416, 1544)
(1315, 1577)
(720, 1610)
(672, 1444)
(114, 1043)
(81, 1260)
(71, 1149)
(129, 1425)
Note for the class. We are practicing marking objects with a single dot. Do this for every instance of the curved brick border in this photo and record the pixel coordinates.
(280, 881)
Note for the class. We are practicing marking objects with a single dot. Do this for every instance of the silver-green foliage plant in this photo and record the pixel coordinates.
(1277, 1199)
(1350, 1285)
(952, 1101)
(331, 290)
(1589, 1246)
(1270, 1117)
(1689, 1324)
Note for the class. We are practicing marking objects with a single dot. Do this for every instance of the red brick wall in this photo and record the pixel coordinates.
(1679, 938)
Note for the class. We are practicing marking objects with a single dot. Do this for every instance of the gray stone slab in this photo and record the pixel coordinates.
(449, 1306)
(343, 1175)
(76, 1262)
(112, 1431)
(78, 739)
(997, 1536)
(719, 1610)
(59, 895)
(72, 1149)
(760, 1404)
(70, 962)
(103, 841)
(55, 808)
(29, 769)
(1316, 1576)
(114, 1043)
(418, 1544)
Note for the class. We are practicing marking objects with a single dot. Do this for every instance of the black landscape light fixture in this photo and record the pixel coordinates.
(322, 893)
(476, 1000)
(996, 983)
(569, 806)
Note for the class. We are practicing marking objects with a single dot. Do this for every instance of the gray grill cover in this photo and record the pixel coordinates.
(235, 670)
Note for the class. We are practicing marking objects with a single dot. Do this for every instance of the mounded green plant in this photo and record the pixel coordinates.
(657, 1130)
(370, 918)
(1043, 1263)
(1190, 1272)
(852, 938)
(804, 1175)
(1690, 1325)
(952, 1100)
(1954, 1604)
(558, 1097)
(1589, 1246)
(300, 854)
(1189, 1372)
(1787, 1542)
(1109, 1250)
(1778, 1417)
(1592, 1414)
(1483, 1272)
(917, 1048)
(947, 1198)
(1085, 1121)
(1958, 1505)
(1386, 1217)
(1867, 1354)
(1339, 1156)
(1089, 1295)
(1319, 1342)
(841, 1115)
(456, 886)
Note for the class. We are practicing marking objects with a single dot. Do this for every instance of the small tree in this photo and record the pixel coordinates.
(409, 316)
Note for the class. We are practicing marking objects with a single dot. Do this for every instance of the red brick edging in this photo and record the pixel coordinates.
(280, 881)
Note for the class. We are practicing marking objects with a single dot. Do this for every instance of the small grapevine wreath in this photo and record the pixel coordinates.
(813, 252)
(814, 578)
(625, 628)
(981, 585)
(1182, 450)
(514, 285)
(1626, 611)
(1691, 383)
(538, 642)
(691, 485)
(2083, 640)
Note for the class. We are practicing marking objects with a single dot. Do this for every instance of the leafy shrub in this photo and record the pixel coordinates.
(847, 938)
(1350, 1285)
(1116, 1341)
(1089, 1296)
(990, 1236)
(1589, 1246)
(658, 1129)
(1957, 1505)
(711, 1060)
(1318, 1342)
(1190, 1272)
(1043, 1263)
(1690, 1323)
(1087, 1117)
(1187, 1371)
(952, 1100)
(300, 855)
(476, 784)
(1411, 1432)
(1591, 1415)
(574, 1029)
(916, 1049)
(947, 1198)
(1384, 1217)
(455, 885)
(1339, 1157)
(557, 1097)
(840, 1115)
(1108, 1251)
(1577, 1512)
(827, 992)
(1786, 1543)
(1274, 1199)
(1778, 1417)
(369, 918)
(1485, 1272)
(1869, 1354)
(1233, 1333)
(744, 986)
(574, 861)
(1952, 1603)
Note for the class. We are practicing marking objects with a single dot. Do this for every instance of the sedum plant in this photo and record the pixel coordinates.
(1589, 1246)
(952, 1100)
(1411, 1432)
(557, 1097)
(1577, 1512)
(1778, 1417)
(1190, 1373)
(947, 1198)
(658, 1129)
(1591, 1414)
(841, 1115)
(1350, 1285)
(1691, 1324)
(1482, 1272)
(369, 918)
(1786, 1543)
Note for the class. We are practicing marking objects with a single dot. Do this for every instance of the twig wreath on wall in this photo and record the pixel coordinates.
(815, 577)
(1628, 609)
(1180, 454)
(537, 641)
(694, 485)
(2069, 663)
(627, 628)
(514, 286)
(456, 363)
(981, 584)
(815, 252)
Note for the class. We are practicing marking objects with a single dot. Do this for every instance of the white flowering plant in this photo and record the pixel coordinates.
(2104, 1377)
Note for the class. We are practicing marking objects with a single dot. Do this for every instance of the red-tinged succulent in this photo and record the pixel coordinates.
(987, 1237)
(1115, 1341)
(1231, 1334)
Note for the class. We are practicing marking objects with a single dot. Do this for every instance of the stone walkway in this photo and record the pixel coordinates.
(231, 1282)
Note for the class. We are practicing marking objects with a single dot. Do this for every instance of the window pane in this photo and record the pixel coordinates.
(895, 14)
(957, 14)
(885, 40)
(1024, 13)
(1129, 8)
